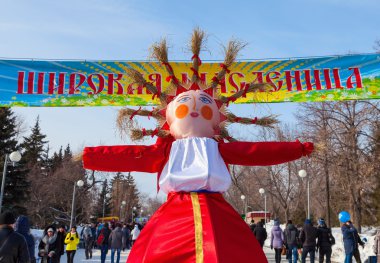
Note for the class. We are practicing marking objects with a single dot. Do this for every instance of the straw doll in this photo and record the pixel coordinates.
(191, 157)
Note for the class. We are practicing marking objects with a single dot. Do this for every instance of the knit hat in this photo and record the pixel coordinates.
(7, 218)
(307, 221)
(276, 222)
(50, 230)
(321, 221)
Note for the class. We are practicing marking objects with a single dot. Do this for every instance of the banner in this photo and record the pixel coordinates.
(104, 83)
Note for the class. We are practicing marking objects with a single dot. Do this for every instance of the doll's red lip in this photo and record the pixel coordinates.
(194, 114)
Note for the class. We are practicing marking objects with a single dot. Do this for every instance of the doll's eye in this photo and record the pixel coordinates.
(205, 100)
(184, 99)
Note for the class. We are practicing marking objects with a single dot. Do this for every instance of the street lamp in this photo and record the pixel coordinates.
(303, 174)
(242, 197)
(123, 203)
(262, 192)
(133, 210)
(104, 203)
(141, 212)
(14, 157)
(78, 183)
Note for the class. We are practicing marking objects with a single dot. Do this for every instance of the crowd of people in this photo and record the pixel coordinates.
(296, 242)
(17, 244)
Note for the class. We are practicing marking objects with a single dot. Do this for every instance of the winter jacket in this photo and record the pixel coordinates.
(135, 232)
(22, 226)
(324, 234)
(106, 233)
(277, 237)
(260, 233)
(61, 242)
(13, 246)
(252, 227)
(308, 236)
(71, 240)
(116, 238)
(87, 234)
(126, 236)
(291, 235)
(48, 245)
(348, 238)
(376, 244)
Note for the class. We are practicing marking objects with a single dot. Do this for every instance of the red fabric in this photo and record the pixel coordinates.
(263, 153)
(127, 158)
(169, 234)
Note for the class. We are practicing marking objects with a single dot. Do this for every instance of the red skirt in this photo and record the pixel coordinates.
(196, 227)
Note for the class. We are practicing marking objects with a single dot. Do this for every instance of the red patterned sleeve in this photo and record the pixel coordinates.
(263, 153)
(127, 158)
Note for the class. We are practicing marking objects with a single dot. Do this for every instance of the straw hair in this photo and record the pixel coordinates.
(159, 51)
(197, 40)
(253, 87)
(267, 121)
(231, 51)
(139, 134)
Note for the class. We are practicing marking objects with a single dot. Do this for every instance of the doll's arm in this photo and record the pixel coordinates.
(263, 153)
(127, 158)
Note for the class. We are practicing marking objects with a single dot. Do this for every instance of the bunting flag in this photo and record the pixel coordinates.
(54, 83)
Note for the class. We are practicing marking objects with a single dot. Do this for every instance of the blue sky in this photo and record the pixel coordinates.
(124, 30)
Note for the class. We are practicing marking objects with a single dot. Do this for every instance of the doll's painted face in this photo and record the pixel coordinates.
(193, 113)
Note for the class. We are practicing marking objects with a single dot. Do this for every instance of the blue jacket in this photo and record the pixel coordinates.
(22, 227)
(348, 238)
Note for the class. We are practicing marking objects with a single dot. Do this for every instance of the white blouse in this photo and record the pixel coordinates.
(195, 164)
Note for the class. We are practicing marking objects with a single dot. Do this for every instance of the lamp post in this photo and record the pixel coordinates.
(133, 210)
(242, 197)
(78, 183)
(141, 212)
(104, 203)
(303, 174)
(262, 192)
(14, 157)
(123, 203)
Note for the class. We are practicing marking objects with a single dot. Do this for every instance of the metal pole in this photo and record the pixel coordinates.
(308, 197)
(245, 209)
(72, 207)
(265, 212)
(132, 215)
(3, 181)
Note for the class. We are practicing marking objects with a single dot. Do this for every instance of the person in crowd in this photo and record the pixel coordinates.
(22, 227)
(126, 237)
(71, 241)
(291, 241)
(47, 249)
(116, 240)
(324, 241)
(88, 239)
(376, 244)
(13, 246)
(260, 233)
(358, 241)
(308, 237)
(61, 235)
(102, 241)
(252, 225)
(349, 241)
(277, 240)
(94, 236)
(135, 233)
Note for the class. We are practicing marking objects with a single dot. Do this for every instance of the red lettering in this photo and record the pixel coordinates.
(277, 86)
(93, 86)
(317, 80)
(358, 79)
(259, 78)
(30, 82)
(156, 79)
(232, 82)
(20, 88)
(73, 87)
(337, 81)
(52, 84)
(40, 83)
(112, 80)
(289, 77)
(326, 75)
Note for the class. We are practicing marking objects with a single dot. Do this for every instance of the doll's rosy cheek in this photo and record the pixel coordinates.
(207, 112)
(181, 111)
